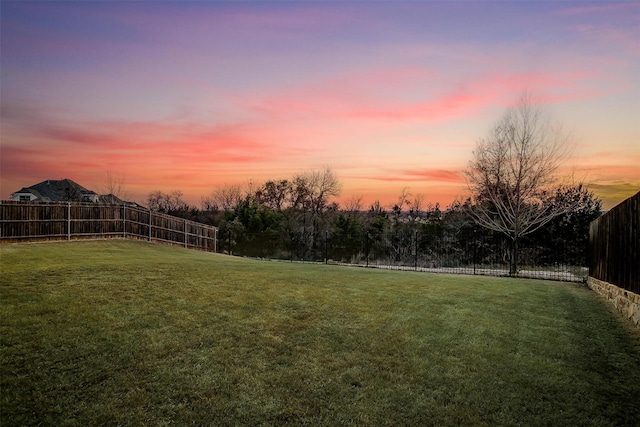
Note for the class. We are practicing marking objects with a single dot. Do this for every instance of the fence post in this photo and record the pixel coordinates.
(124, 221)
(68, 220)
(475, 249)
(367, 247)
(415, 262)
(326, 255)
(150, 224)
(185, 233)
(215, 240)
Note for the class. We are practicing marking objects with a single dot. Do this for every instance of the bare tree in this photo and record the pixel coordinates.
(207, 203)
(166, 202)
(403, 199)
(155, 201)
(226, 197)
(311, 193)
(113, 185)
(512, 176)
(274, 194)
(417, 205)
(316, 188)
(353, 205)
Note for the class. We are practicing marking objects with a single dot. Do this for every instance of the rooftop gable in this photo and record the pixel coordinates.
(60, 191)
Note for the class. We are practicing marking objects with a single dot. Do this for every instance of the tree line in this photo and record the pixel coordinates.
(304, 214)
(516, 196)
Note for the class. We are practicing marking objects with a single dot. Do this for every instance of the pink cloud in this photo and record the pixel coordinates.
(420, 175)
(242, 20)
(611, 172)
(598, 9)
(25, 162)
(439, 175)
(159, 139)
(449, 106)
(372, 95)
(163, 154)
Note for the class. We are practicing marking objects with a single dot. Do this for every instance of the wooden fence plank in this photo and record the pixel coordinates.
(614, 245)
(29, 221)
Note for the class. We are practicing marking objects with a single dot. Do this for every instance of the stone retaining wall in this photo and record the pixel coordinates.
(625, 301)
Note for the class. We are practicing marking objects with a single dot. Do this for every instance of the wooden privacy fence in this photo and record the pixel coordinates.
(30, 221)
(614, 246)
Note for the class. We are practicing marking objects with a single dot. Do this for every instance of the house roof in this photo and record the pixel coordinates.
(36, 193)
(58, 190)
(111, 199)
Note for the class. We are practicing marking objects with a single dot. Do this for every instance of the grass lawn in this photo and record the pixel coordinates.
(130, 333)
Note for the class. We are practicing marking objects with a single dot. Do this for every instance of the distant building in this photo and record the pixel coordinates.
(111, 199)
(63, 190)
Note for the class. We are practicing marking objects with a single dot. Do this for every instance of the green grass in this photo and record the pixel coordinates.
(129, 333)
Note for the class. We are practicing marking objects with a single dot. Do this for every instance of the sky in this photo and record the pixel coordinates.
(391, 95)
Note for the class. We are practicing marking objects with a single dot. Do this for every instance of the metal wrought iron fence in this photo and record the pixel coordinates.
(473, 253)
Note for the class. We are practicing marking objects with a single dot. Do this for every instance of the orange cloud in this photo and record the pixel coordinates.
(151, 154)
(421, 175)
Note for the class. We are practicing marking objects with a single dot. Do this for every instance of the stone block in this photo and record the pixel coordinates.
(628, 303)
(622, 303)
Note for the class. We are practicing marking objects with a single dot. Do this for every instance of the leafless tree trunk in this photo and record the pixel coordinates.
(512, 176)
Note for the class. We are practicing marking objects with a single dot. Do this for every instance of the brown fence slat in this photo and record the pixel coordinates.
(614, 246)
(30, 221)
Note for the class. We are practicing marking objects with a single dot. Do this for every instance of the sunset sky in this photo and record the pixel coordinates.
(190, 96)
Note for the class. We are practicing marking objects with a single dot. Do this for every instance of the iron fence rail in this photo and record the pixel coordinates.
(472, 254)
